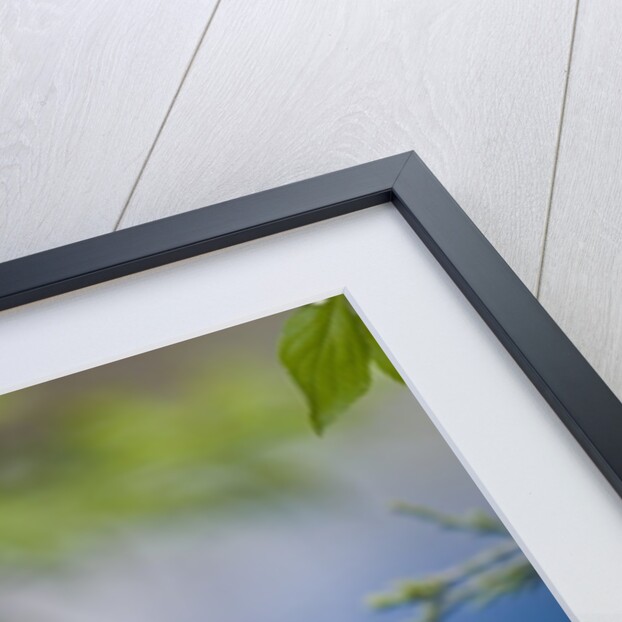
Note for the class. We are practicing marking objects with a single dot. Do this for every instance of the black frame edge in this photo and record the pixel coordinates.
(565, 379)
(571, 387)
(113, 255)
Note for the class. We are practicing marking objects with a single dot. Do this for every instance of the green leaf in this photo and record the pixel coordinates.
(381, 360)
(326, 349)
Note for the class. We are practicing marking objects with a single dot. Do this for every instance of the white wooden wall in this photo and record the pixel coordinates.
(115, 113)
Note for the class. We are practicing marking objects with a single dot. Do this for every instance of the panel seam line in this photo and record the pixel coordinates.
(166, 116)
(547, 219)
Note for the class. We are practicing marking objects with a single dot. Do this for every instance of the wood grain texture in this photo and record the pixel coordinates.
(84, 87)
(582, 270)
(282, 91)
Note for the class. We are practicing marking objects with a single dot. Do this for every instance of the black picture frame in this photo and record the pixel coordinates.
(572, 388)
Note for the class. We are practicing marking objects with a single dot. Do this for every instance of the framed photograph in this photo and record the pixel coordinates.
(331, 399)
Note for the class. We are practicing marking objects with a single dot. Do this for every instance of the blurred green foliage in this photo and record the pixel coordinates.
(83, 467)
(497, 571)
(88, 464)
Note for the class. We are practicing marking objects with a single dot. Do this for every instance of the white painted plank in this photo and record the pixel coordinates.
(282, 91)
(84, 87)
(582, 275)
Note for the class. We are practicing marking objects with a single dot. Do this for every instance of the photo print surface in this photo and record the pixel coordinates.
(276, 471)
